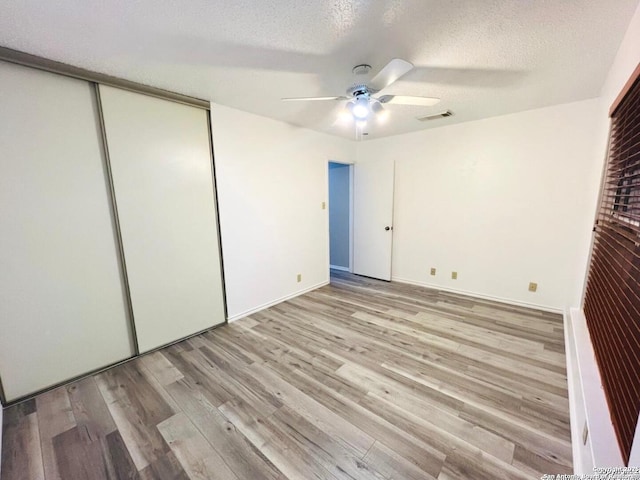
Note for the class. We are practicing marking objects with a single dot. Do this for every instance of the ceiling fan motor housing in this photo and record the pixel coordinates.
(358, 90)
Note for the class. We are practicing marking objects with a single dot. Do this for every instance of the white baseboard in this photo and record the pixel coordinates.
(634, 456)
(275, 302)
(336, 267)
(507, 301)
(581, 465)
(587, 401)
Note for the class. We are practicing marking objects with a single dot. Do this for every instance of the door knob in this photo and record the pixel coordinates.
(387, 228)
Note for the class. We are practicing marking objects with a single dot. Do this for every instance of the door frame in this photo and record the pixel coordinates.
(351, 168)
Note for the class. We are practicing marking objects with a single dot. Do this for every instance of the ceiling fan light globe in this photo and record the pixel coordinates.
(360, 113)
(360, 109)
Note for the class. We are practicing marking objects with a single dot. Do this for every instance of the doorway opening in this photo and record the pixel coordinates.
(341, 216)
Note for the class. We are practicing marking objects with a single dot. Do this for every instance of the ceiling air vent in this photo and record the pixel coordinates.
(435, 116)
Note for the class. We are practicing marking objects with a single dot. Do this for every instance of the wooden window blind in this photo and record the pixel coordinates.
(612, 300)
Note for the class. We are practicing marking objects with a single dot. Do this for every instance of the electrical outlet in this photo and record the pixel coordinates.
(533, 287)
(585, 434)
(324, 205)
(433, 271)
(454, 275)
(299, 277)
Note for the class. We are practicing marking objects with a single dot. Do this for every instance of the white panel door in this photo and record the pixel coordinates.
(162, 173)
(62, 305)
(373, 218)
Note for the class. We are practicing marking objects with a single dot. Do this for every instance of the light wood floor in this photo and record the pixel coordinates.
(360, 379)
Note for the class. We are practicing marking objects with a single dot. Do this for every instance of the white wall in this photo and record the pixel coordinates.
(339, 225)
(625, 62)
(272, 180)
(502, 201)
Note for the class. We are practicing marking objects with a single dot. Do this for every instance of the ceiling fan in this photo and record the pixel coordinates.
(361, 101)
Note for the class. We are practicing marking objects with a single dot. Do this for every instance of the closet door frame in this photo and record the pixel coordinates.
(95, 79)
(116, 221)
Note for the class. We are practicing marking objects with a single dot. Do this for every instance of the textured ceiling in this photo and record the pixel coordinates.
(481, 57)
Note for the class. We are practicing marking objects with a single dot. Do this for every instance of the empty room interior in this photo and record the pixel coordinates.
(339, 239)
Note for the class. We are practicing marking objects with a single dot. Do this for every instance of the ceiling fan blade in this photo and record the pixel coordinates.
(391, 72)
(408, 100)
(311, 99)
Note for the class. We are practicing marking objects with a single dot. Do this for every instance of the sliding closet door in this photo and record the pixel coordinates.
(162, 171)
(62, 305)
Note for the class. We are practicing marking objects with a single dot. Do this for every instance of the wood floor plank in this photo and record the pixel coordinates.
(425, 454)
(519, 367)
(241, 456)
(154, 385)
(238, 352)
(317, 414)
(249, 422)
(90, 410)
(472, 433)
(523, 457)
(21, 450)
(414, 331)
(320, 367)
(257, 346)
(162, 369)
(55, 416)
(166, 467)
(468, 332)
(520, 386)
(247, 323)
(393, 465)
(337, 460)
(95, 435)
(539, 442)
(121, 463)
(293, 458)
(465, 465)
(360, 379)
(137, 408)
(419, 396)
(78, 458)
(239, 378)
(199, 374)
(518, 410)
(198, 458)
(435, 432)
(252, 392)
